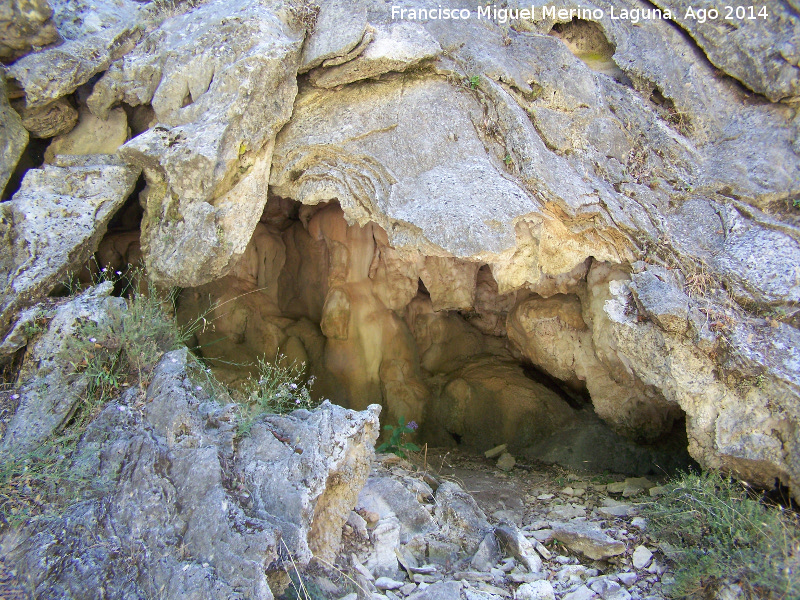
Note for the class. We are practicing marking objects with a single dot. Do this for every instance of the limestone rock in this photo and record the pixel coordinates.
(394, 48)
(13, 137)
(536, 590)
(340, 28)
(24, 27)
(309, 486)
(506, 462)
(588, 540)
(92, 135)
(641, 557)
(54, 223)
(94, 32)
(459, 516)
(49, 120)
(204, 539)
(387, 497)
(496, 451)
(443, 590)
(50, 388)
(487, 555)
(519, 546)
(760, 51)
(208, 159)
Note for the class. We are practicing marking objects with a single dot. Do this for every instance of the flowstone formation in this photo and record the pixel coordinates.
(487, 226)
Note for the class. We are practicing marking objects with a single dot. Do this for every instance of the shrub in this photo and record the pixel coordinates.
(125, 348)
(716, 533)
(278, 388)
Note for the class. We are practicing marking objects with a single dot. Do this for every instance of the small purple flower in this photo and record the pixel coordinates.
(412, 425)
(15, 396)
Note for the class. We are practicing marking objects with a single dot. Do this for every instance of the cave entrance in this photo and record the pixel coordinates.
(431, 339)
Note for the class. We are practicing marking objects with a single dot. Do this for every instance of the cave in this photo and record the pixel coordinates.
(432, 339)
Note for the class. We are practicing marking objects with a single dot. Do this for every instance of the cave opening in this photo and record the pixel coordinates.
(432, 339)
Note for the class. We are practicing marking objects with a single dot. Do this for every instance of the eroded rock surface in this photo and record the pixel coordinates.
(456, 210)
(169, 513)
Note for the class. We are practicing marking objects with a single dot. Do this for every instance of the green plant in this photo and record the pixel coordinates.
(396, 443)
(716, 533)
(278, 388)
(126, 346)
(508, 160)
(474, 82)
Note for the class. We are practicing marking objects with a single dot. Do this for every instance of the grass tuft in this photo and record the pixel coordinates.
(716, 533)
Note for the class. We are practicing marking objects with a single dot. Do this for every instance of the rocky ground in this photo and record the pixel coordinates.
(534, 532)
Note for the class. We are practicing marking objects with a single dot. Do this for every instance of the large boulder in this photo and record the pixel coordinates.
(55, 222)
(25, 26)
(179, 510)
(218, 107)
(13, 137)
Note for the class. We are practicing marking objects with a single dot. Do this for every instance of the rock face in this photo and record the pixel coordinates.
(484, 226)
(174, 518)
(13, 138)
(55, 222)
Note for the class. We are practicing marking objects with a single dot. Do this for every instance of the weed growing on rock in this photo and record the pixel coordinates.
(716, 533)
(126, 347)
(397, 443)
(278, 389)
(474, 82)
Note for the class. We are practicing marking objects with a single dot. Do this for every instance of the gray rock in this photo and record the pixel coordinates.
(387, 497)
(761, 52)
(582, 593)
(92, 135)
(641, 557)
(496, 451)
(627, 579)
(459, 516)
(386, 583)
(340, 28)
(588, 540)
(13, 137)
(519, 546)
(209, 157)
(536, 590)
(487, 555)
(444, 590)
(311, 486)
(54, 223)
(188, 534)
(50, 388)
(662, 300)
(95, 33)
(396, 47)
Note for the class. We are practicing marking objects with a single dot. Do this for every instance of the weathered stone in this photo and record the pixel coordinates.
(94, 32)
(54, 223)
(387, 497)
(496, 451)
(311, 487)
(394, 48)
(460, 517)
(641, 557)
(209, 158)
(339, 29)
(25, 27)
(487, 555)
(582, 593)
(444, 590)
(536, 590)
(506, 462)
(52, 119)
(92, 135)
(588, 540)
(49, 387)
(13, 137)
(519, 546)
(764, 58)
